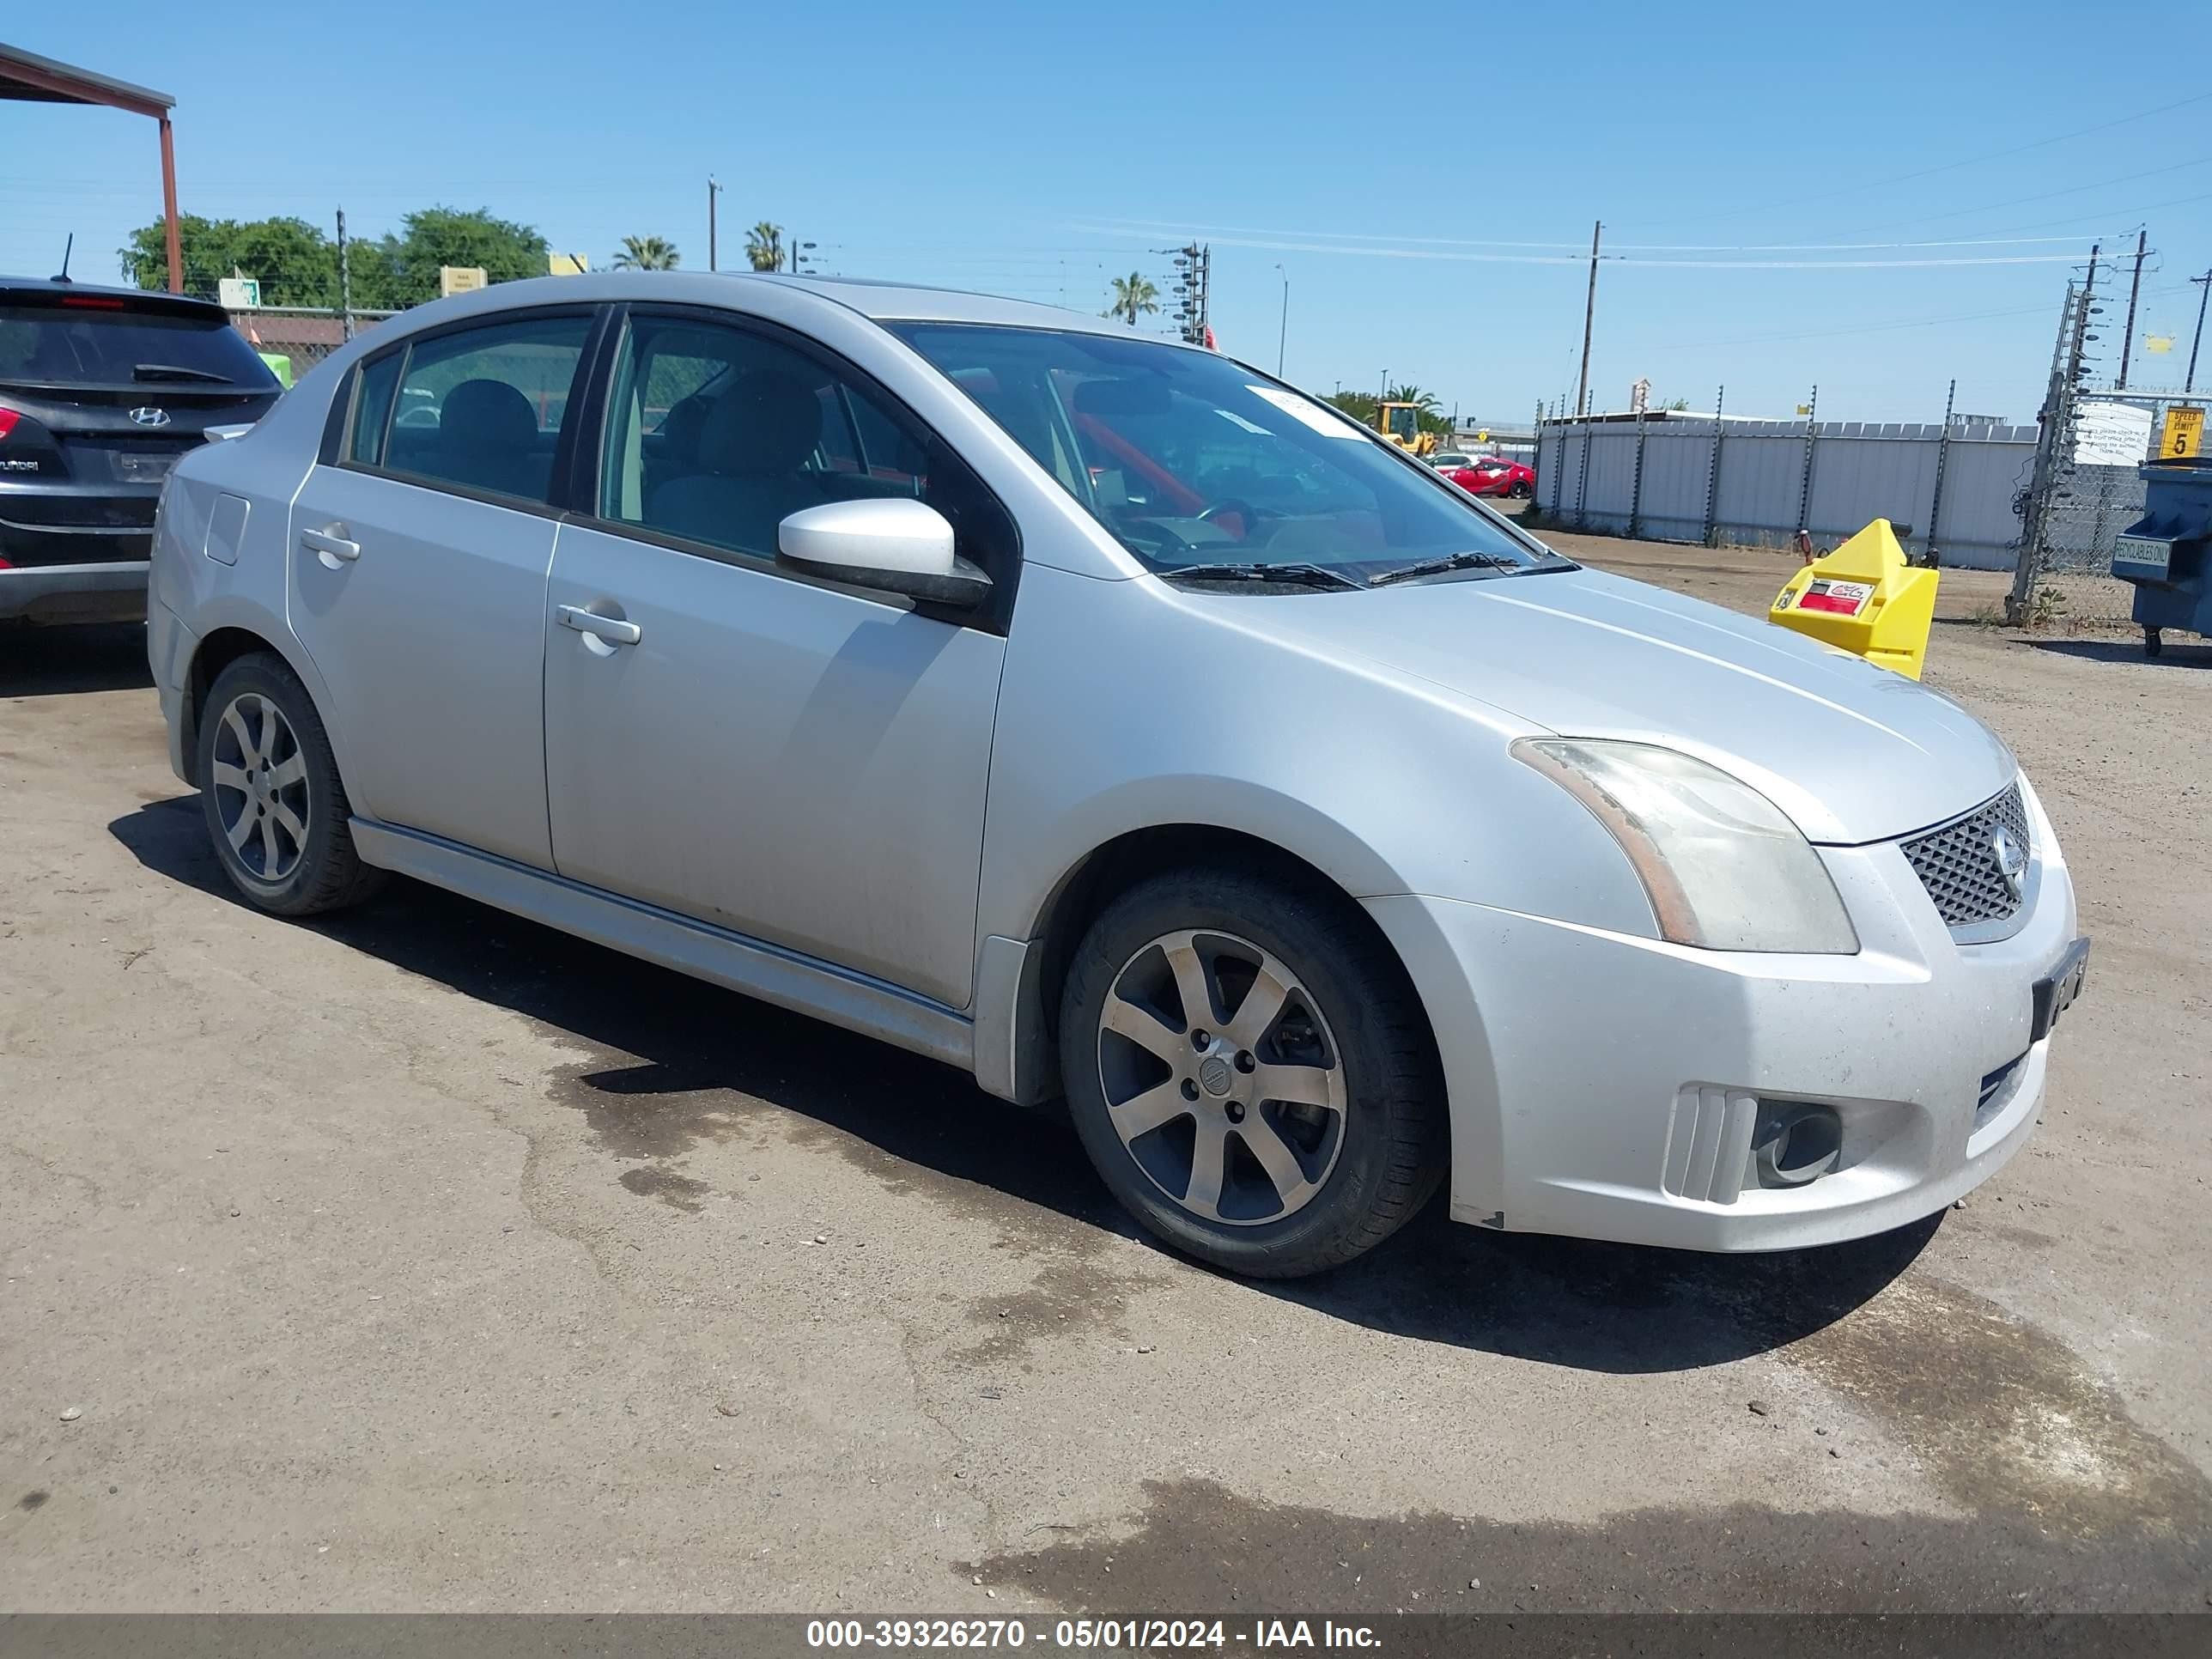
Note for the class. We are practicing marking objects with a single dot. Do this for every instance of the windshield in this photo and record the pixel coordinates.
(97, 340)
(1188, 458)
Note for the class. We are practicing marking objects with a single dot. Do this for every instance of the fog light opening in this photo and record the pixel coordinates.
(1795, 1145)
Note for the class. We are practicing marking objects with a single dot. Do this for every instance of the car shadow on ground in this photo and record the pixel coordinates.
(664, 1046)
(2178, 654)
(45, 662)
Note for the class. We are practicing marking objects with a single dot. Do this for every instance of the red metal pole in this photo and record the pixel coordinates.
(169, 209)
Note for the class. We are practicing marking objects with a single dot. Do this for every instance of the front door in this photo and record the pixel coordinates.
(418, 565)
(802, 763)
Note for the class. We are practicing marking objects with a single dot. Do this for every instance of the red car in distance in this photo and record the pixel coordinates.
(1492, 475)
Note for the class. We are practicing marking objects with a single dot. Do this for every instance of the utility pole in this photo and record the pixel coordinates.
(713, 190)
(1589, 315)
(2135, 287)
(2204, 283)
(1383, 396)
(345, 283)
(2050, 421)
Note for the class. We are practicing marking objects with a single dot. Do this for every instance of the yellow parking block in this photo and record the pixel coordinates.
(1865, 598)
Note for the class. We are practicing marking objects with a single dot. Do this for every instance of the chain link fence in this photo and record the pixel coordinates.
(302, 335)
(2094, 490)
(2086, 487)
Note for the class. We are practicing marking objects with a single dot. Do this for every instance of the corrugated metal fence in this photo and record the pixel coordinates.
(1675, 477)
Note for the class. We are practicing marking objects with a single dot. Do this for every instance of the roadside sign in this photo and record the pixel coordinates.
(460, 279)
(2183, 435)
(2111, 434)
(239, 293)
(567, 265)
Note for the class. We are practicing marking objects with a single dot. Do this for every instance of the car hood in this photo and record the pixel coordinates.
(1852, 752)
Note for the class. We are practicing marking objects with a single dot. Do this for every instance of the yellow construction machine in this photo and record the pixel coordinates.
(1401, 424)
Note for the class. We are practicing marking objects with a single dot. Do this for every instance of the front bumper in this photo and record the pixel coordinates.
(1607, 1086)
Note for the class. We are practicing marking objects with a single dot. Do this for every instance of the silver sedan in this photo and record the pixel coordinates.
(1109, 720)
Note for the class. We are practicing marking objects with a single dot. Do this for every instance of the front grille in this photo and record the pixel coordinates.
(1958, 863)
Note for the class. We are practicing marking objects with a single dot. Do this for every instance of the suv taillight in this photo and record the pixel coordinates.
(8, 419)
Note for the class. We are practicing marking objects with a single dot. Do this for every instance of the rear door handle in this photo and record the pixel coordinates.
(330, 545)
(613, 630)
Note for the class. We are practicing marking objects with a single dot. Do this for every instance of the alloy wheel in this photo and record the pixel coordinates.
(259, 781)
(1221, 1077)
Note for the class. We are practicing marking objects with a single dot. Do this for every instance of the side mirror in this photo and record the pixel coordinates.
(894, 543)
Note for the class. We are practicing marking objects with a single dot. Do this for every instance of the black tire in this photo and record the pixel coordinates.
(1391, 1151)
(2154, 642)
(1523, 491)
(326, 874)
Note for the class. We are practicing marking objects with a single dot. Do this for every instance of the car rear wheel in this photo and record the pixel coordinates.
(1523, 490)
(1249, 1073)
(274, 807)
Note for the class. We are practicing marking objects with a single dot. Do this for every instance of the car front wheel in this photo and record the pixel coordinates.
(270, 792)
(1249, 1073)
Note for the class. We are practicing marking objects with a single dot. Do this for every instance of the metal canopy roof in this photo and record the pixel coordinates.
(25, 77)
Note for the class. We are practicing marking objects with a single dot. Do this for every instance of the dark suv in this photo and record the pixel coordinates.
(101, 390)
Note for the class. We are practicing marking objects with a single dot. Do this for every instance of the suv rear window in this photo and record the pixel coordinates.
(102, 340)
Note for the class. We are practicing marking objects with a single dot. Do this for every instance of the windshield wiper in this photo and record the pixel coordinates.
(176, 372)
(1450, 561)
(1295, 573)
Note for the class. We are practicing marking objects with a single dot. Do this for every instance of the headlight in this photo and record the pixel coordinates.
(1725, 868)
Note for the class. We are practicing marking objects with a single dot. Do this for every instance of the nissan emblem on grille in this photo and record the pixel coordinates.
(1975, 868)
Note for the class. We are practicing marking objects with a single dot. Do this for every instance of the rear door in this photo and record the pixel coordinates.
(419, 550)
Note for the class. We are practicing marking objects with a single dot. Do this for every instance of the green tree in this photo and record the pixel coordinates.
(1360, 406)
(293, 261)
(1133, 294)
(646, 253)
(764, 247)
(403, 269)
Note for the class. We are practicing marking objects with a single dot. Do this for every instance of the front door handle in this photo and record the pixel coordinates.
(330, 545)
(613, 630)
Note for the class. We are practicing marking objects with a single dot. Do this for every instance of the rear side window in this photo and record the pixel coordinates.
(484, 407)
(104, 340)
(372, 410)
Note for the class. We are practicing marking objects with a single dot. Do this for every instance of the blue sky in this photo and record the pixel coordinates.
(1380, 156)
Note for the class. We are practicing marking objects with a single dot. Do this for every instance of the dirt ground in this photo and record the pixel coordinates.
(424, 1259)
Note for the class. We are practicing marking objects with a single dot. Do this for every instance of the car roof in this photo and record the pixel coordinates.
(879, 301)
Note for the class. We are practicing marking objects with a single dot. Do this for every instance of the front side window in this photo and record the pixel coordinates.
(482, 407)
(1191, 460)
(716, 435)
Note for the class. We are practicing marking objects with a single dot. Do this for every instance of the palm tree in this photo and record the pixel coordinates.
(646, 253)
(764, 247)
(1132, 295)
(1424, 402)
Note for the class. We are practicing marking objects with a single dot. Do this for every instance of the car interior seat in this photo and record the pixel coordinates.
(487, 435)
(753, 450)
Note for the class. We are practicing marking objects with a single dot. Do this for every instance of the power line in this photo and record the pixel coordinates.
(1678, 265)
(1930, 173)
(1482, 242)
(2039, 196)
